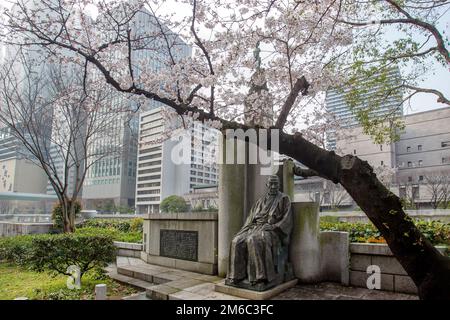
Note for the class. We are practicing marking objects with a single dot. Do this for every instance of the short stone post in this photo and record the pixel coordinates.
(305, 244)
(100, 292)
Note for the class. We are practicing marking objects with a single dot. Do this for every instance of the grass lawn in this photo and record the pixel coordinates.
(17, 281)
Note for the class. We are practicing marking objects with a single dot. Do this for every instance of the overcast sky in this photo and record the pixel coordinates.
(437, 76)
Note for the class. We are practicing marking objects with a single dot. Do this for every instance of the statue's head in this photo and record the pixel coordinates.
(273, 184)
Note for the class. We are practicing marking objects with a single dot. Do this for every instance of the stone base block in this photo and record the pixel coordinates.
(194, 266)
(254, 295)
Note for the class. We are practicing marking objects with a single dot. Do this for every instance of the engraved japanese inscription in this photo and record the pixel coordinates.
(179, 244)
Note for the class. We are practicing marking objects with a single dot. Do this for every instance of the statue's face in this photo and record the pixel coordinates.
(273, 187)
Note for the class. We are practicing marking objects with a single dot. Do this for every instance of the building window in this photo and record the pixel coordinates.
(408, 149)
(354, 151)
(420, 163)
(381, 147)
(415, 192)
(420, 178)
(382, 162)
(419, 147)
(402, 192)
(445, 144)
(409, 164)
(409, 179)
(446, 160)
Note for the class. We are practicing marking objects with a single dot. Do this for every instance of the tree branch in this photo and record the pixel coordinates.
(301, 85)
(441, 97)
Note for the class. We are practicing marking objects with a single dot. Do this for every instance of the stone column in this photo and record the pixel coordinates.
(305, 242)
(231, 205)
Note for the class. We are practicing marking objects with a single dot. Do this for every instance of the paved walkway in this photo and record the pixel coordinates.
(335, 291)
(162, 283)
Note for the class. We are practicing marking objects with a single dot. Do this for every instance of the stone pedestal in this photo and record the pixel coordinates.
(305, 242)
(186, 241)
(254, 295)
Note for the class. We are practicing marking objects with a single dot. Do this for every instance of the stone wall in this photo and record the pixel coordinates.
(317, 256)
(393, 276)
(334, 257)
(128, 249)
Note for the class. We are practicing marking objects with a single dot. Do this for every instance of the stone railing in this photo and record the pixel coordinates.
(20, 228)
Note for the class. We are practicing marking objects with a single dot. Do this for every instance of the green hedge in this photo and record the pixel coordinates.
(129, 225)
(129, 230)
(17, 249)
(116, 235)
(58, 251)
(437, 232)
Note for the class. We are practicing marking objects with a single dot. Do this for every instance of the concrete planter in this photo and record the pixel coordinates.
(128, 249)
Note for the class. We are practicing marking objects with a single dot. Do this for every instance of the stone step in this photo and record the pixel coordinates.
(137, 296)
(137, 283)
(164, 283)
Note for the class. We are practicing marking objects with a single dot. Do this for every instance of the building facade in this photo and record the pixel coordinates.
(172, 165)
(416, 167)
(337, 103)
(111, 181)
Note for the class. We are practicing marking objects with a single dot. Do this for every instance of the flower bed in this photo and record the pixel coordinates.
(437, 232)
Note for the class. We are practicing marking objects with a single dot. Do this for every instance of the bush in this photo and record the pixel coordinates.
(58, 252)
(136, 224)
(173, 204)
(114, 234)
(57, 215)
(16, 249)
(435, 231)
(133, 225)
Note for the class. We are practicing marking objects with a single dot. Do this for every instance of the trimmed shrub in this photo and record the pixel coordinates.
(57, 252)
(132, 236)
(137, 224)
(129, 225)
(17, 249)
(436, 231)
(173, 204)
(57, 215)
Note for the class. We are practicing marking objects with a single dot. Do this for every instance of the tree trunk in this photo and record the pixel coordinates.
(67, 208)
(429, 269)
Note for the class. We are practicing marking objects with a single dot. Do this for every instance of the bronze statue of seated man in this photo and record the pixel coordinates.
(259, 251)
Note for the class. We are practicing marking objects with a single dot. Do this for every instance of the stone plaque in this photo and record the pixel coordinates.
(179, 244)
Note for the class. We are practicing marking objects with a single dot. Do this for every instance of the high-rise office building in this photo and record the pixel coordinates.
(112, 179)
(18, 172)
(172, 166)
(19, 168)
(388, 102)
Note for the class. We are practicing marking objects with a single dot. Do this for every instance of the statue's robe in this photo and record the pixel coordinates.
(254, 250)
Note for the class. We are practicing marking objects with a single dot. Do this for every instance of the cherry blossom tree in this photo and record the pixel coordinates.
(57, 116)
(306, 47)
